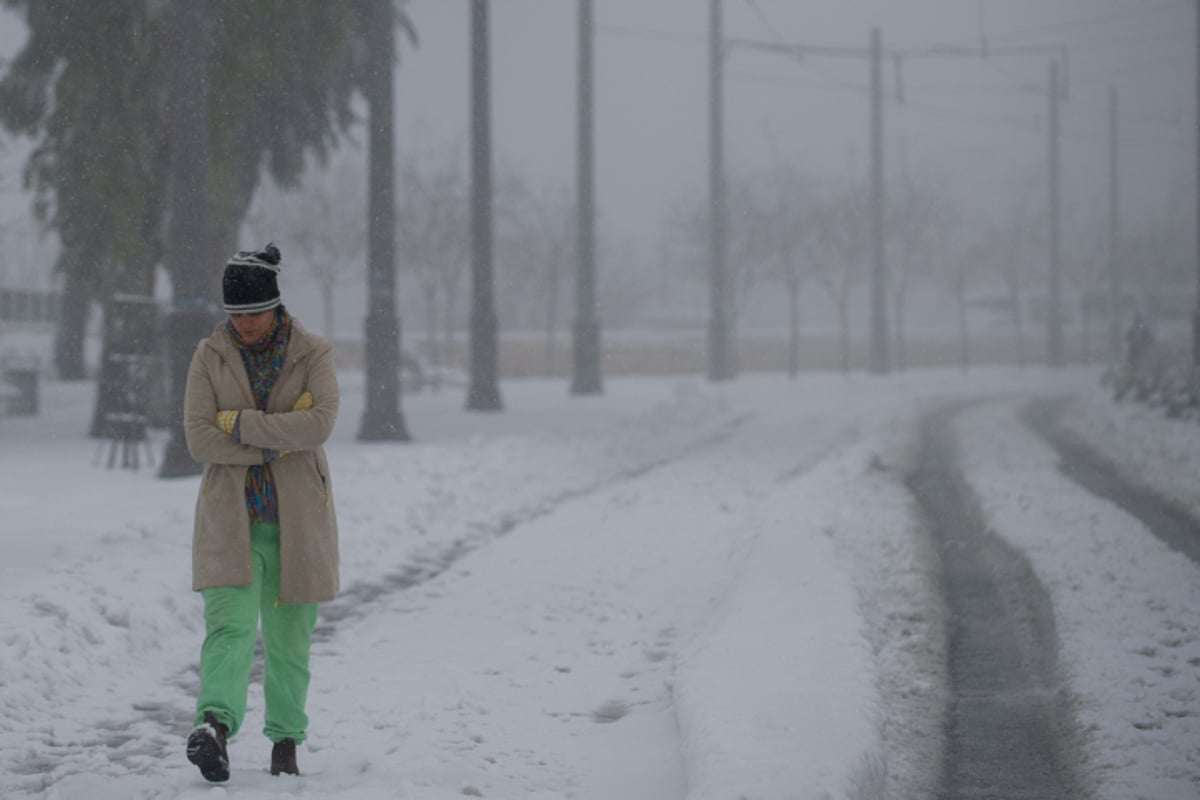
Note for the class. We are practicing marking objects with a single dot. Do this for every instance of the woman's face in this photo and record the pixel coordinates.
(252, 327)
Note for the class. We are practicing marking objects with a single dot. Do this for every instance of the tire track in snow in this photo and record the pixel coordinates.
(1009, 732)
(1086, 467)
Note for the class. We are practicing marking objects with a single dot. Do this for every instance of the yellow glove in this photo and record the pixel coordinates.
(226, 420)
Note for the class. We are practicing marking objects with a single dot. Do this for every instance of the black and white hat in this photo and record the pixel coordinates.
(250, 284)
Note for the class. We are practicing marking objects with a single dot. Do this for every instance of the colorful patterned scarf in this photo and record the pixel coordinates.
(263, 361)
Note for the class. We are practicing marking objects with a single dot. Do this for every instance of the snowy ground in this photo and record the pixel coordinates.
(1126, 609)
(675, 590)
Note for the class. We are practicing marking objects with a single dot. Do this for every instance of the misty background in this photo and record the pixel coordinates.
(654, 526)
(966, 141)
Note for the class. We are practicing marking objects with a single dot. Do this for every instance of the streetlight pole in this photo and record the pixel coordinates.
(1114, 232)
(1054, 332)
(720, 349)
(586, 378)
(1196, 312)
(192, 316)
(880, 363)
(483, 393)
(382, 419)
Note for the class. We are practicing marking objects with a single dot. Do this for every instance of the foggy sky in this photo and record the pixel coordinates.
(981, 124)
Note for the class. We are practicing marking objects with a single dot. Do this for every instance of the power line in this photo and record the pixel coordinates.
(979, 89)
(845, 87)
(651, 34)
(839, 84)
(1014, 81)
(937, 49)
(1081, 108)
(799, 50)
(1079, 22)
(1016, 121)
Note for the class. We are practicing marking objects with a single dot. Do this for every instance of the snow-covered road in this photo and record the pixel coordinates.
(675, 590)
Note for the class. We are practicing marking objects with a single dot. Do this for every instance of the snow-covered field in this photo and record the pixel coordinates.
(674, 590)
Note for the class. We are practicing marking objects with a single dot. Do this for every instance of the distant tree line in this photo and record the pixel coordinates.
(792, 230)
(793, 233)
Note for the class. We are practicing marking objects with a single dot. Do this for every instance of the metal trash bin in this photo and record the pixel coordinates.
(24, 401)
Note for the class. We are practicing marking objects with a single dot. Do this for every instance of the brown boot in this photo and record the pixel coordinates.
(206, 749)
(283, 758)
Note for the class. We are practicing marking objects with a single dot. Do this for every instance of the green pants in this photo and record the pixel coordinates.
(231, 623)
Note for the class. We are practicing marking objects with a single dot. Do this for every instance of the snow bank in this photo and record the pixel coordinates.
(1145, 445)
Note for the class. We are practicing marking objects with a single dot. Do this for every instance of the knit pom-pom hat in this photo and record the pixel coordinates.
(250, 284)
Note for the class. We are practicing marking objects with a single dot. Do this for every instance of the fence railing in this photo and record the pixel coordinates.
(26, 305)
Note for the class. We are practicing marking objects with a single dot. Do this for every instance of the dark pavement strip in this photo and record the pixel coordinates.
(1009, 729)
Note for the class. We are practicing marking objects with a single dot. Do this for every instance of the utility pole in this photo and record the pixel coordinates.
(1114, 233)
(1054, 332)
(1196, 312)
(192, 315)
(382, 419)
(586, 379)
(720, 347)
(483, 393)
(879, 332)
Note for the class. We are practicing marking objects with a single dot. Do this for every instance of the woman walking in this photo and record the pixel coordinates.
(261, 399)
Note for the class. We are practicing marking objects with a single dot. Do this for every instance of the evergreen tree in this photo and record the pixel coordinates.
(95, 114)
(90, 88)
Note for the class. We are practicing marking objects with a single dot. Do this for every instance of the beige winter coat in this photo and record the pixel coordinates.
(308, 543)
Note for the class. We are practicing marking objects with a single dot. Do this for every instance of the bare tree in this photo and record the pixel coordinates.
(555, 253)
(1011, 247)
(685, 229)
(918, 218)
(533, 241)
(433, 238)
(535, 230)
(789, 236)
(747, 246)
(961, 266)
(1085, 265)
(843, 222)
(320, 226)
(1160, 256)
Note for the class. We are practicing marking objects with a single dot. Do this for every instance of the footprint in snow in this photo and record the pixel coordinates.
(611, 711)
